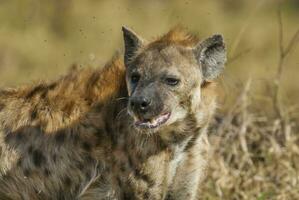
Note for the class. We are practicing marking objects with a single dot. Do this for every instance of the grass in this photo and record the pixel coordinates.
(254, 137)
(255, 153)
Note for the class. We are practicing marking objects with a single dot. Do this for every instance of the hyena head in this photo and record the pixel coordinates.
(165, 77)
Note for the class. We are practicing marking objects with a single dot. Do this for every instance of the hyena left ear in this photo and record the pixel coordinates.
(132, 43)
(211, 55)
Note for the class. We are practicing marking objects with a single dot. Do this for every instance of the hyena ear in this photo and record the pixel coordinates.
(211, 55)
(132, 43)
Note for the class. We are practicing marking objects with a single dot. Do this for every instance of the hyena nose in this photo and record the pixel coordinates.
(140, 103)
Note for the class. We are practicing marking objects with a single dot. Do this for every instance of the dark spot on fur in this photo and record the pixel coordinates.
(161, 144)
(67, 181)
(52, 86)
(93, 80)
(144, 177)
(177, 138)
(60, 138)
(32, 131)
(60, 195)
(128, 195)
(86, 146)
(44, 94)
(192, 141)
(85, 125)
(79, 165)
(139, 156)
(169, 196)
(122, 167)
(30, 149)
(88, 174)
(98, 108)
(19, 137)
(54, 158)
(131, 164)
(26, 172)
(33, 114)
(47, 172)
(76, 139)
(38, 89)
(68, 107)
(20, 163)
(38, 192)
(146, 195)
(109, 131)
(38, 158)
(205, 84)
(107, 170)
(99, 136)
(121, 127)
(8, 138)
(119, 182)
(7, 92)
(88, 159)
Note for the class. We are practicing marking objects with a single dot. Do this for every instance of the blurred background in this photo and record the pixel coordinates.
(42, 39)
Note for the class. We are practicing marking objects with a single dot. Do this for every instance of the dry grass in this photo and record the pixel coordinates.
(256, 154)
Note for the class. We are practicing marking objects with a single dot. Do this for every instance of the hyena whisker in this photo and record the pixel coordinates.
(122, 98)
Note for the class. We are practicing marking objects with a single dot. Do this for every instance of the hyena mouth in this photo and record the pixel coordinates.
(153, 123)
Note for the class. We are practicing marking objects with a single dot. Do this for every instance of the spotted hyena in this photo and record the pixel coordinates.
(131, 130)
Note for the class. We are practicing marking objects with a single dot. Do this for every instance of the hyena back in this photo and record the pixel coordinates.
(129, 131)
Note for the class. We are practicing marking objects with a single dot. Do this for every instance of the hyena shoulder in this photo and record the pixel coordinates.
(57, 104)
(50, 130)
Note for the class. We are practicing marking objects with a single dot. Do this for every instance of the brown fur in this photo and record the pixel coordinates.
(176, 36)
(74, 139)
(58, 104)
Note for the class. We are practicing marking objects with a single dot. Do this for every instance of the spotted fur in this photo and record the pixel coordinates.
(75, 139)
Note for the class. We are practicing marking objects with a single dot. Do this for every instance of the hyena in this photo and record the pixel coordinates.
(135, 129)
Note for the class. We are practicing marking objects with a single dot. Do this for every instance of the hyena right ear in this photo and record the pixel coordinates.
(211, 56)
(132, 43)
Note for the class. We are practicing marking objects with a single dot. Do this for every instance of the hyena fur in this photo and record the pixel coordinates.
(135, 129)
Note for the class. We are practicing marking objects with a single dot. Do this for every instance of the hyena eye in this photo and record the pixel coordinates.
(135, 78)
(172, 81)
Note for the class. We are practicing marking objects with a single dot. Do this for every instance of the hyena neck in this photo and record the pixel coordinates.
(183, 133)
(144, 145)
